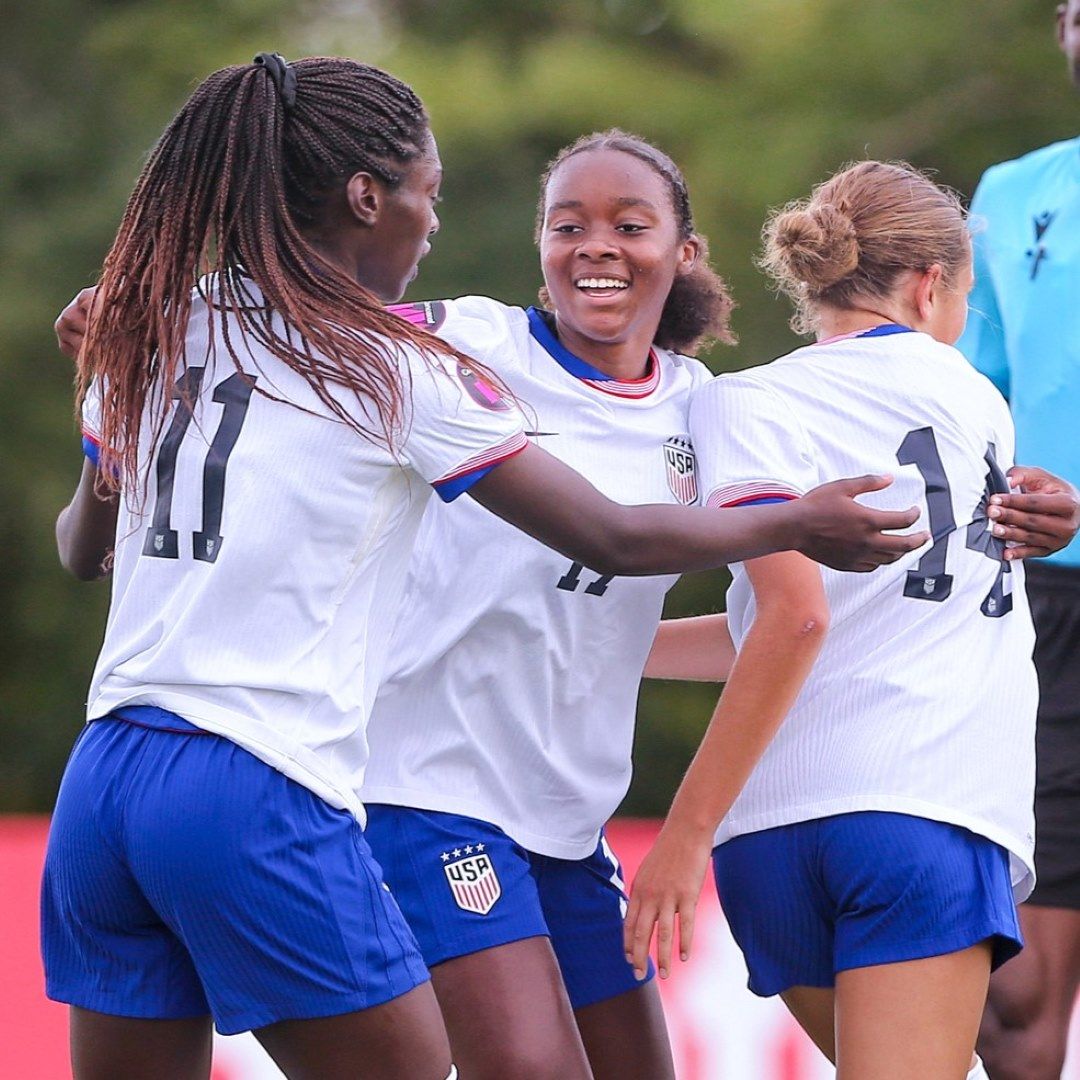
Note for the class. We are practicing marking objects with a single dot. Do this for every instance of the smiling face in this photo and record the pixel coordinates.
(610, 249)
(401, 224)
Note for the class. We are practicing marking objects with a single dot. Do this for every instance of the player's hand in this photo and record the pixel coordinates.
(70, 326)
(844, 534)
(1041, 519)
(665, 892)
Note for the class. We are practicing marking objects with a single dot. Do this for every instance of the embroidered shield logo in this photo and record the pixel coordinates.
(474, 883)
(481, 390)
(681, 469)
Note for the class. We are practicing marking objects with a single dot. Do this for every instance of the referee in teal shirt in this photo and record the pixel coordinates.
(1023, 332)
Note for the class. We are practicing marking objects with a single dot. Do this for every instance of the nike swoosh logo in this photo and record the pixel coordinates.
(537, 434)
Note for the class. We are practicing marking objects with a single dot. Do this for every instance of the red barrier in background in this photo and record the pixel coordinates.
(719, 1031)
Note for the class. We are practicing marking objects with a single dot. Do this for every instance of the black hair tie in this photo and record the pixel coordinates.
(282, 74)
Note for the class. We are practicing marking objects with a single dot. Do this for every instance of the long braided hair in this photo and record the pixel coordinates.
(228, 189)
(698, 307)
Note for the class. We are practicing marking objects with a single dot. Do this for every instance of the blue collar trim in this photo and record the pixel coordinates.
(539, 328)
(886, 331)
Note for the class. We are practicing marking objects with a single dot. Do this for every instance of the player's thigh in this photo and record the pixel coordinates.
(626, 1037)
(469, 894)
(404, 1037)
(814, 1008)
(1044, 976)
(620, 1019)
(914, 1018)
(508, 1015)
(1025, 1027)
(105, 1047)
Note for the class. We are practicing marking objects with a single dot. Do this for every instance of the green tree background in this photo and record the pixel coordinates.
(757, 100)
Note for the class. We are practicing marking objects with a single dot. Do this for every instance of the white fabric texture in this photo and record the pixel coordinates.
(920, 703)
(510, 697)
(271, 625)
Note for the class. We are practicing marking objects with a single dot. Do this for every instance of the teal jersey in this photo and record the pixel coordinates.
(1023, 329)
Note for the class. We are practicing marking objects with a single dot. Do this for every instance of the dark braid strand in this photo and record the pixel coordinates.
(227, 189)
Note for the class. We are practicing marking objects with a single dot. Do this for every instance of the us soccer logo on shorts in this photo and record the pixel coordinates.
(681, 469)
(474, 883)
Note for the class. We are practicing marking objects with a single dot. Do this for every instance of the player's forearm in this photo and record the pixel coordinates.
(557, 506)
(697, 649)
(86, 529)
(774, 662)
(671, 540)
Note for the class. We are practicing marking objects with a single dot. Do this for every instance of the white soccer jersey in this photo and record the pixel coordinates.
(923, 698)
(254, 591)
(514, 672)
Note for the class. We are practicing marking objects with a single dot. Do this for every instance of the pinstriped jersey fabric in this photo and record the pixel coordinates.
(923, 698)
(515, 672)
(254, 590)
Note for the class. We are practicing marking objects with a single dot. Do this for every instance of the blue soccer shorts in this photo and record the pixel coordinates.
(464, 885)
(184, 877)
(808, 900)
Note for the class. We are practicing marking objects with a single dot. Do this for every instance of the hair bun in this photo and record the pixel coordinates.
(818, 244)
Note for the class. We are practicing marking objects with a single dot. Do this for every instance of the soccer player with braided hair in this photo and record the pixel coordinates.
(264, 431)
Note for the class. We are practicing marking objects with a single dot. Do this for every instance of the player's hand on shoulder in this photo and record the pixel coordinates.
(665, 892)
(842, 533)
(1039, 519)
(70, 325)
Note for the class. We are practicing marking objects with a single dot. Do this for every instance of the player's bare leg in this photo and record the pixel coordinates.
(105, 1047)
(404, 1037)
(508, 1015)
(916, 1018)
(1026, 1024)
(814, 1008)
(626, 1037)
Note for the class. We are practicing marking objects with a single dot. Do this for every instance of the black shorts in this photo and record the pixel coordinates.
(1054, 592)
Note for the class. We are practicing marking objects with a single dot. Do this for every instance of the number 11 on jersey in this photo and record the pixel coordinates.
(162, 540)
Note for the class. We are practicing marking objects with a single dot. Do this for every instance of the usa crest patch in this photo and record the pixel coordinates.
(474, 883)
(681, 465)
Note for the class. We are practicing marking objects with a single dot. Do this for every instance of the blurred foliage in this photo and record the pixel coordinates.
(757, 99)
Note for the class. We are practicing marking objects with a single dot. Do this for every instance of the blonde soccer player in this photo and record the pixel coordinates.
(867, 777)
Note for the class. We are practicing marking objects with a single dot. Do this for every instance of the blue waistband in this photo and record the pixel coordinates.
(150, 716)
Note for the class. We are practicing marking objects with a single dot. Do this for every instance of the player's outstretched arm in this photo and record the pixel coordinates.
(696, 649)
(1043, 517)
(86, 529)
(788, 631)
(551, 502)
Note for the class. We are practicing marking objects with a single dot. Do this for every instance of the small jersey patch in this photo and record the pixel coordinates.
(681, 464)
(481, 389)
(430, 314)
(473, 882)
